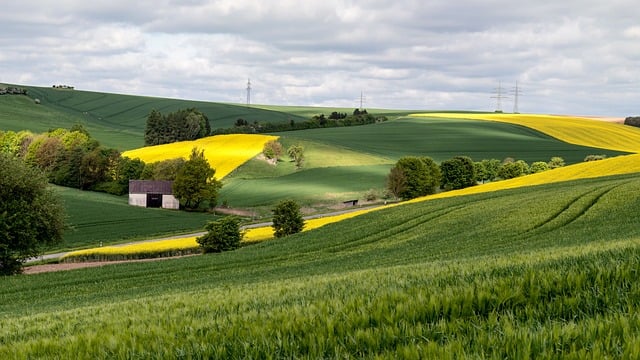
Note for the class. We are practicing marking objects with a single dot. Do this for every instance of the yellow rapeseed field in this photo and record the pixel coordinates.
(224, 152)
(570, 129)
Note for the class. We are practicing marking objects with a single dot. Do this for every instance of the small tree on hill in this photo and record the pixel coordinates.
(195, 182)
(272, 150)
(296, 153)
(556, 162)
(222, 235)
(287, 219)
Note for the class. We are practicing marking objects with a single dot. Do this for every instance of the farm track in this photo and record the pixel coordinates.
(573, 210)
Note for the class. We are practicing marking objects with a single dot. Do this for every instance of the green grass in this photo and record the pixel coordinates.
(539, 272)
(116, 120)
(97, 218)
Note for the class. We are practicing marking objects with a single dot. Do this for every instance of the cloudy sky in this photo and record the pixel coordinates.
(568, 57)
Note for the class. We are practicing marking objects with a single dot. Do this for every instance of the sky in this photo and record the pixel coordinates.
(567, 57)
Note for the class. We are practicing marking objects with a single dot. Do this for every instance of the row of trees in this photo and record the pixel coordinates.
(413, 176)
(186, 124)
(335, 119)
(72, 158)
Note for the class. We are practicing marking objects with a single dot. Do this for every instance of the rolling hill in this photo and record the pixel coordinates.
(543, 266)
(532, 272)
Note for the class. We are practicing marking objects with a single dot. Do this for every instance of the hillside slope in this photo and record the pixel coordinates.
(523, 272)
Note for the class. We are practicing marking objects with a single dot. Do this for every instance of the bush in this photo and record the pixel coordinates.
(595, 157)
(287, 219)
(222, 235)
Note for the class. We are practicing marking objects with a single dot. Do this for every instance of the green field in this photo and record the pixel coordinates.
(115, 120)
(97, 218)
(538, 272)
(347, 162)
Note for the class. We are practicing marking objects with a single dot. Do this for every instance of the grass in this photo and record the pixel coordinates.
(99, 219)
(115, 120)
(537, 272)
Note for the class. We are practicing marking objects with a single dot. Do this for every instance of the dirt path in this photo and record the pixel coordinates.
(37, 269)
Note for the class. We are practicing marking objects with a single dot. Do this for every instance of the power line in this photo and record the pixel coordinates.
(248, 92)
(516, 94)
(362, 99)
(499, 96)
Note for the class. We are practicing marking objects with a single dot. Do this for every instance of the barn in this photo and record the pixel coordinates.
(152, 194)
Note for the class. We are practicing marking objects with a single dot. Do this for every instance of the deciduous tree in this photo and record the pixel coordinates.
(222, 235)
(31, 216)
(195, 183)
(287, 218)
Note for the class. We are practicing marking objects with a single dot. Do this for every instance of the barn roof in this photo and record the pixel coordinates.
(163, 187)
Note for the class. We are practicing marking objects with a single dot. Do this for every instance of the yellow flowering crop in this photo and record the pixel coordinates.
(570, 129)
(224, 152)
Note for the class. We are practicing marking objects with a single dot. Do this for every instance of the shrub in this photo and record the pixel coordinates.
(287, 219)
(222, 235)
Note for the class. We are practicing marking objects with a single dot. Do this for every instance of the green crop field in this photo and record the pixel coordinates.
(347, 162)
(97, 218)
(115, 120)
(538, 272)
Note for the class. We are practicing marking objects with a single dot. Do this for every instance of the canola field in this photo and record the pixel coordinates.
(570, 129)
(224, 152)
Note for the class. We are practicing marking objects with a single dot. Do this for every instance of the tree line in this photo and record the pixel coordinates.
(414, 176)
(72, 158)
(335, 119)
(181, 125)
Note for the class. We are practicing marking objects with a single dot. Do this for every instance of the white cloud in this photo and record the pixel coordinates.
(407, 54)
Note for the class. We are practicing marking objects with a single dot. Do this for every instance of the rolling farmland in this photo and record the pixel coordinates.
(541, 266)
(534, 272)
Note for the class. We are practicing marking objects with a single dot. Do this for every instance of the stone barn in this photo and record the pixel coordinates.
(152, 194)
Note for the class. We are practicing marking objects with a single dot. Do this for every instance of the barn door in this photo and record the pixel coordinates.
(154, 200)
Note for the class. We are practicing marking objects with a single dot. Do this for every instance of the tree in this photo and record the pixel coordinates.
(490, 170)
(272, 150)
(287, 219)
(458, 173)
(396, 181)
(511, 170)
(31, 216)
(296, 153)
(538, 166)
(556, 162)
(412, 177)
(222, 235)
(195, 182)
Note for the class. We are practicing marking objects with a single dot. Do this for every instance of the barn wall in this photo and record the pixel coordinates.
(170, 202)
(138, 200)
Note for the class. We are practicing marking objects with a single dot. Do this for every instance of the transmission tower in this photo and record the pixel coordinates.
(516, 93)
(248, 92)
(362, 99)
(499, 96)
